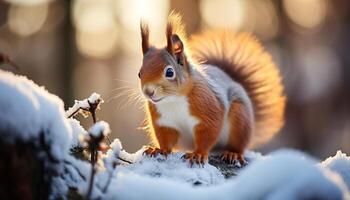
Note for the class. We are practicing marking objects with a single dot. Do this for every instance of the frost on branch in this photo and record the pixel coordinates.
(85, 107)
(100, 129)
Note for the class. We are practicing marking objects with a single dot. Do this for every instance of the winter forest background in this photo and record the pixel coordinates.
(53, 147)
(77, 47)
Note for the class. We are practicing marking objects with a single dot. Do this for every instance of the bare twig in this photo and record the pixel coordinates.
(122, 159)
(93, 171)
(5, 59)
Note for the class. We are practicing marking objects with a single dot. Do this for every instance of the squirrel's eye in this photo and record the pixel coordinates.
(169, 73)
(139, 74)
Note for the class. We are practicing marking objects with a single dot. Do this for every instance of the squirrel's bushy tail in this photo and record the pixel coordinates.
(242, 57)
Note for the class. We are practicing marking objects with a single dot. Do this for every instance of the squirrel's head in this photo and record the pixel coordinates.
(164, 71)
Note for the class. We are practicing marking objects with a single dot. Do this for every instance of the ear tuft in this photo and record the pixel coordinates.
(169, 33)
(174, 31)
(144, 36)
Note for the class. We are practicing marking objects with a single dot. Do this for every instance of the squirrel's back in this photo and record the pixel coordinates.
(246, 62)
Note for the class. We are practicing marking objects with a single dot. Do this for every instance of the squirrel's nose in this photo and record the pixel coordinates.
(149, 92)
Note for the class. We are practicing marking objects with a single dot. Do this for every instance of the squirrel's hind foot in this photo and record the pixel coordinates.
(154, 152)
(234, 158)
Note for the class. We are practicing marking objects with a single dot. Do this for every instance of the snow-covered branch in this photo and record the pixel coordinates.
(86, 106)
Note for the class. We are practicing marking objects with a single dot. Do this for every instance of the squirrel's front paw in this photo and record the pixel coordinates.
(198, 158)
(153, 152)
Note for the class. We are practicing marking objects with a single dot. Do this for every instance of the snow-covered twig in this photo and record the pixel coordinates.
(97, 133)
(99, 129)
(85, 107)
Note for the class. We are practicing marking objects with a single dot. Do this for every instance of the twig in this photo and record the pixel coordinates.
(5, 59)
(88, 105)
(92, 175)
(97, 133)
(122, 159)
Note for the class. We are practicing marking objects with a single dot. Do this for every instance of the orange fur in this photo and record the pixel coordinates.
(144, 36)
(205, 106)
(152, 68)
(241, 127)
(244, 59)
(239, 56)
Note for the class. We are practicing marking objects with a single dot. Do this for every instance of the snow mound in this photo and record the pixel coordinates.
(284, 174)
(33, 116)
(340, 163)
(27, 111)
(175, 168)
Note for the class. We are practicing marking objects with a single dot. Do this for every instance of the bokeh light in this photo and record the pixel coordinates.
(212, 13)
(26, 20)
(261, 18)
(154, 12)
(319, 73)
(306, 13)
(96, 29)
(28, 2)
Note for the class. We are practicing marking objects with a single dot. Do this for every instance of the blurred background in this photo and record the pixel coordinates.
(77, 47)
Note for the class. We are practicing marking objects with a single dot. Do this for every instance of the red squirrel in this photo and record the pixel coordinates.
(218, 91)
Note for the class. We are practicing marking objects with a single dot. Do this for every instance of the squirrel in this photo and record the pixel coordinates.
(220, 90)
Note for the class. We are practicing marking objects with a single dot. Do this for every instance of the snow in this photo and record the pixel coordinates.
(76, 172)
(78, 132)
(340, 163)
(286, 174)
(100, 128)
(31, 114)
(83, 106)
(175, 168)
(28, 110)
(94, 98)
(111, 157)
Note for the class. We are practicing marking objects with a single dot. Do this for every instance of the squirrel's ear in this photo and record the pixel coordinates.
(178, 46)
(144, 37)
(178, 49)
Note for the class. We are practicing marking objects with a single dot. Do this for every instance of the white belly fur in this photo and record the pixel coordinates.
(174, 113)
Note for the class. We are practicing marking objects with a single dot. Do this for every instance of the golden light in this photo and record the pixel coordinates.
(306, 13)
(97, 45)
(226, 13)
(154, 12)
(28, 2)
(27, 20)
(261, 18)
(96, 29)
